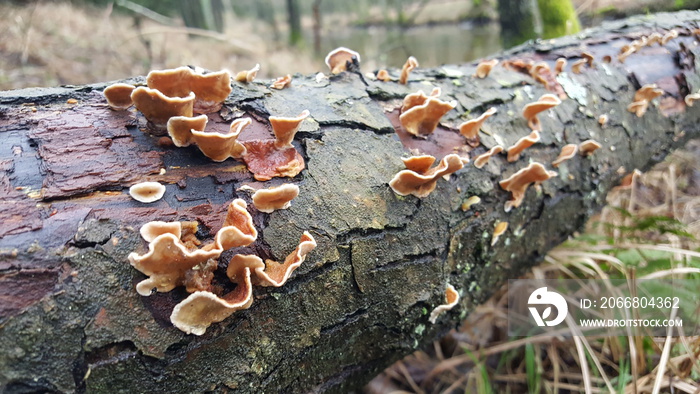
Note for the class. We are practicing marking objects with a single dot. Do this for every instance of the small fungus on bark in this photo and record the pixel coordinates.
(483, 158)
(210, 89)
(383, 75)
(531, 110)
(559, 65)
(522, 144)
(603, 119)
(337, 60)
(282, 82)
(567, 152)
(419, 179)
(691, 99)
(451, 298)
(280, 197)
(499, 229)
(248, 76)
(285, 128)
(518, 183)
(642, 98)
(410, 65)
(484, 68)
(180, 128)
(147, 192)
(576, 66)
(470, 128)
(118, 96)
(467, 204)
(421, 114)
(588, 147)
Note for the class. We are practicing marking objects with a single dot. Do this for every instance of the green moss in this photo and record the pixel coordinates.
(558, 18)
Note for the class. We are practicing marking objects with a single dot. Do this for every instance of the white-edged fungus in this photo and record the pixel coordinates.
(158, 108)
(210, 90)
(180, 128)
(383, 75)
(690, 99)
(499, 229)
(518, 183)
(577, 65)
(118, 96)
(483, 69)
(559, 65)
(522, 144)
(567, 152)
(531, 110)
(451, 299)
(421, 114)
(221, 146)
(467, 204)
(282, 82)
(588, 147)
(483, 158)
(272, 199)
(147, 192)
(338, 59)
(419, 179)
(248, 76)
(642, 98)
(410, 65)
(285, 128)
(470, 128)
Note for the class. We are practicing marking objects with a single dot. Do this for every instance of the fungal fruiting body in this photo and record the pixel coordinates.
(484, 68)
(180, 128)
(642, 98)
(248, 76)
(420, 114)
(147, 192)
(576, 66)
(210, 90)
(588, 147)
(118, 96)
(220, 146)
(567, 152)
(690, 99)
(522, 144)
(518, 183)
(202, 308)
(282, 82)
(470, 128)
(270, 200)
(531, 110)
(499, 229)
(483, 158)
(338, 59)
(559, 65)
(267, 159)
(419, 179)
(410, 65)
(451, 298)
(383, 75)
(467, 204)
(159, 108)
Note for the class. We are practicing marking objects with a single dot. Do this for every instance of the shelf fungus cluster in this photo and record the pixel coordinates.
(518, 183)
(451, 299)
(176, 257)
(642, 98)
(174, 92)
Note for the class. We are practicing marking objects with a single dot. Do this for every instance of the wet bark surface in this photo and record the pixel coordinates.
(71, 321)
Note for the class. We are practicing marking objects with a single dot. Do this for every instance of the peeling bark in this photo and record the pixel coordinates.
(71, 321)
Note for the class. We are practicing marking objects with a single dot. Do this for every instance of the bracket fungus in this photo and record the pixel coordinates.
(484, 68)
(483, 158)
(518, 183)
(588, 147)
(248, 76)
(282, 82)
(421, 114)
(467, 204)
(559, 65)
(180, 128)
(470, 128)
(531, 110)
(451, 297)
(338, 59)
(172, 252)
(159, 108)
(642, 98)
(210, 89)
(383, 75)
(522, 144)
(690, 99)
(567, 152)
(410, 65)
(220, 146)
(280, 197)
(577, 65)
(118, 96)
(202, 308)
(147, 192)
(268, 159)
(419, 179)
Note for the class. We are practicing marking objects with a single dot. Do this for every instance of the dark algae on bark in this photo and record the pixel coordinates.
(71, 320)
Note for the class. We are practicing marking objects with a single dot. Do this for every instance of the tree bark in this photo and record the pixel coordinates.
(71, 321)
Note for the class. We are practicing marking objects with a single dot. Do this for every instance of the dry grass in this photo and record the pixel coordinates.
(480, 357)
(48, 43)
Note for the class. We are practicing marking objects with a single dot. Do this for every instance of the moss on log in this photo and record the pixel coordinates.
(71, 321)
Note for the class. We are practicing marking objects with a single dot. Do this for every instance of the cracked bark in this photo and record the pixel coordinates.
(71, 321)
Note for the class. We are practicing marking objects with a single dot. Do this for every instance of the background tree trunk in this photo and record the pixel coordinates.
(294, 18)
(71, 321)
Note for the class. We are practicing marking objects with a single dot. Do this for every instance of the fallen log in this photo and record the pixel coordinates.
(71, 320)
